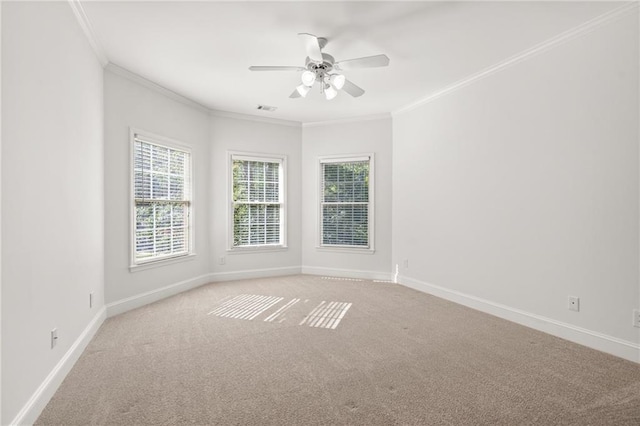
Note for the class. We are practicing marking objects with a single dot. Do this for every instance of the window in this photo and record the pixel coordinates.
(346, 202)
(161, 199)
(257, 194)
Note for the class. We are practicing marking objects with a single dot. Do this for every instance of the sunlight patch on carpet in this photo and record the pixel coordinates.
(281, 311)
(249, 306)
(245, 306)
(326, 315)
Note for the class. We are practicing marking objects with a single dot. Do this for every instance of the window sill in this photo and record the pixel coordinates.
(350, 250)
(161, 262)
(258, 249)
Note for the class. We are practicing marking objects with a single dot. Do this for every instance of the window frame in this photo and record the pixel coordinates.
(259, 157)
(347, 158)
(155, 139)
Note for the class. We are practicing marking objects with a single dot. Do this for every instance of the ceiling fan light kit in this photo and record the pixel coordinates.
(303, 89)
(330, 92)
(308, 78)
(322, 68)
(337, 80)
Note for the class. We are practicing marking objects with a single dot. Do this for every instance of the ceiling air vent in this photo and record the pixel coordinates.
(266, 108)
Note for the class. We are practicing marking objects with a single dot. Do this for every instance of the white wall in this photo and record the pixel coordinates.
(131, 104)
(522, 188)
(233, 134)
(372, 136)
(52, 193)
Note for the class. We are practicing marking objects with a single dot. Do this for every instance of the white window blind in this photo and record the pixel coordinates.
(162, 200)
(345, 202)
(257, 197)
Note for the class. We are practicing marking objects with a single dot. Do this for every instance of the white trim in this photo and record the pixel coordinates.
(383, 116)
(40, 398)
(592, 339)
(122, 72)
(347, 273)
(269, 120)
(156, 263)
(250, 156)
(345, 249)
(526, 54)
(87, 28)
(328, 159)
(256, 249)
(254, 273)
(146, 298)
(154, 138)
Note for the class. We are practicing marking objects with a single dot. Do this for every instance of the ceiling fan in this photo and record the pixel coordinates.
(321, 68)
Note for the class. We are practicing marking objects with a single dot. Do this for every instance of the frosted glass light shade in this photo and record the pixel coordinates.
(330, 92)
(308, 78)
(337, 80)
(303, 90)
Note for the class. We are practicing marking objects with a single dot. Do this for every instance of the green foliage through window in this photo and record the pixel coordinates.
(257, 202)
(345, 203)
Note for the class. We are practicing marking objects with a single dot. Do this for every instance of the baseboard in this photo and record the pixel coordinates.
(347, 273)
(139, 300)
(253, 273)
(40, 398)
(592, 339)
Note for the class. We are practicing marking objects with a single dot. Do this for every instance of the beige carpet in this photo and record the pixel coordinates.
(396, 357)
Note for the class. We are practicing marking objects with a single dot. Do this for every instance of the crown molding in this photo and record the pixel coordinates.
(249, 117)
(136, 78)
(123, 72)
(575, 32)
(563, 37)
(85, 24)
(347, 120)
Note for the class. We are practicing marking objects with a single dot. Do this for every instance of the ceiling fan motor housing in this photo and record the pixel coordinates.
(320, 69)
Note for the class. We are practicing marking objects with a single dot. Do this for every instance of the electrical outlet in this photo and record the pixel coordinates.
(636, 317)
(574, 303)
(90, 300)
(222, 260)
(54, 337)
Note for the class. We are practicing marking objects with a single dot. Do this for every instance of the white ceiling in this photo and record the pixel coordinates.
(202, 50)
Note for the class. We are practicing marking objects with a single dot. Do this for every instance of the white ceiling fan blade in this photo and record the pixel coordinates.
(275, 68)
(366, 62)
(352, 89)
(295, 94)
(312, 47)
